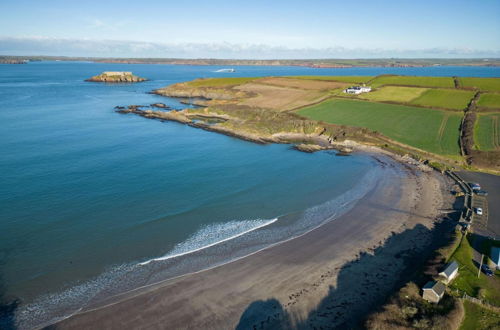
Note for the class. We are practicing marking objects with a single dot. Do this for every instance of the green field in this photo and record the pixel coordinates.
(220, 82)
(489, 100)
(445, 98)
(394, 94)
(484, 84)
(487, 131)
(414, 81)
(486, 288)
(348, 79)
(478, 318)
(431, 130)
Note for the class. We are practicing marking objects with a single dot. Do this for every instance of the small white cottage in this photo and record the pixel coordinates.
(449, 272)
(495, 256)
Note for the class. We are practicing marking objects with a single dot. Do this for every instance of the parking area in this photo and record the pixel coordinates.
(489, 223)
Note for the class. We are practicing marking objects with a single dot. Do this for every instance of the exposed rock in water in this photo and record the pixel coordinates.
(116, 77)
(345, 151)
(308, 147)
(160, 105)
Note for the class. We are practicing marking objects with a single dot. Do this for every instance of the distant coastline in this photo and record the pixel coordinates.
(313, 63)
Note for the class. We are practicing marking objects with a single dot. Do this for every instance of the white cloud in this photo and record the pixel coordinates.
(112, 48)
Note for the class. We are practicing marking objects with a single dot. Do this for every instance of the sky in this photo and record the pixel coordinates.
(251, 29)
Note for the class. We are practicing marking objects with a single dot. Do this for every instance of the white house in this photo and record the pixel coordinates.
(433, 291)
(449, 272)
(495, 256)
(358, 89)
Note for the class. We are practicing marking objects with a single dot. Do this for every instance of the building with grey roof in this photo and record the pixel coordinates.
(449, 272)
(433, 291)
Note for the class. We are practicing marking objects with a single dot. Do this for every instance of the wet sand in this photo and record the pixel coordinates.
(330, 277)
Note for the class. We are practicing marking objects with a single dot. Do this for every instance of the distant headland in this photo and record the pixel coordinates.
(116, 77)
(313, 63)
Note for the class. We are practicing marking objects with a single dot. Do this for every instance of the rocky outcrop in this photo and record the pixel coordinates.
(160, 105)
(116, 77)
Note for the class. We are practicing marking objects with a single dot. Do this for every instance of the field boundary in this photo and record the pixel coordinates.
(395, 103)
(496, 136)
(467, 129)
(442, 128)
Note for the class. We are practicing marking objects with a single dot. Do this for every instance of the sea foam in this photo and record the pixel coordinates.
(211, 235)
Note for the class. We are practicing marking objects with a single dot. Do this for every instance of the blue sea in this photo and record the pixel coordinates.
(94, 203)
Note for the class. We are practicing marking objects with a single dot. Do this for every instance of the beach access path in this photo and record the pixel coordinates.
(333, 276)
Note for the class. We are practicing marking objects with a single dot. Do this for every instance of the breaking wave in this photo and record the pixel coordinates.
(212, 235)
(210, 246)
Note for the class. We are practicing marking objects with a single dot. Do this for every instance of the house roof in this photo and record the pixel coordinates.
(438, 287)
(450, 269)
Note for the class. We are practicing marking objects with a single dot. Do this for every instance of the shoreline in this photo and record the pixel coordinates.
(257, 266)
(284, 228)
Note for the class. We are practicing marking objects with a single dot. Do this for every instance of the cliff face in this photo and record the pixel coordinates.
(116, 77)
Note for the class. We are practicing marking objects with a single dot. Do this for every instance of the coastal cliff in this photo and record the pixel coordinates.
(116, 77)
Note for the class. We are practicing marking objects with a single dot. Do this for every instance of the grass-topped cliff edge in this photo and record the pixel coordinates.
(432, 118)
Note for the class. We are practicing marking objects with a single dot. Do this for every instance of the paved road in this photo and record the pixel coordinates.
(490, 183)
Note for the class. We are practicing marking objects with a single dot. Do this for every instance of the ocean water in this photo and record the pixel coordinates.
(94, 203)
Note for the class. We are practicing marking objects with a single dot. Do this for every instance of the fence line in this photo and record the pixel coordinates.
(477, 301)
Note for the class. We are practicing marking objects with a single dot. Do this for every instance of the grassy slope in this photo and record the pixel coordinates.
(349, 79)
(445, 98)
(487, 131)
(394, 94)
(432, 130)
(477, 317)
(446, 82)
(489, 100)
(467, 279)
(484, 84)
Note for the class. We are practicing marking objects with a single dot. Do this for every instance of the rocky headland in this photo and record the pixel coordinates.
(116, 77)
(249, 110)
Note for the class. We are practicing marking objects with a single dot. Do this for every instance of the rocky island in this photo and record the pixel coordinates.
(116, 77)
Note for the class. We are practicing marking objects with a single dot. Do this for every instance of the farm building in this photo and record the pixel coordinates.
(433, 291)
(449, 272)
(495, 256)
(357, 89)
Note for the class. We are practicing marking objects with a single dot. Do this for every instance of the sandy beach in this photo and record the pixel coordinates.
(331, 277)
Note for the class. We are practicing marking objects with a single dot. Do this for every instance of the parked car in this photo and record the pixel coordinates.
(475, 186)
(482, 193)
(486, 269)
(479, 211)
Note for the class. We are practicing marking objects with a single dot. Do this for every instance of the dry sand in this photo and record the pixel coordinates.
(330, 277)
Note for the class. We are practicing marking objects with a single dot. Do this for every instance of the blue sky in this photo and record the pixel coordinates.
(251, 29)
